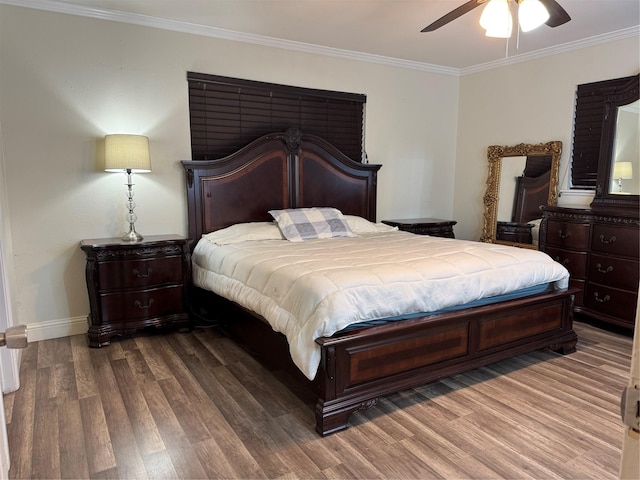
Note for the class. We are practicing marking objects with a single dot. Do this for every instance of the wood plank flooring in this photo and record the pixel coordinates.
(194, 405)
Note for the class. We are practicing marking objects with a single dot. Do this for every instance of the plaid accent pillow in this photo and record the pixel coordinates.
(298, 224)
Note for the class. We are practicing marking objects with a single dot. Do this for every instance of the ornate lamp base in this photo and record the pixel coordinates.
(132, 235)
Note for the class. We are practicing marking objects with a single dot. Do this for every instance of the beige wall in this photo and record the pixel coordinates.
(529, 102)
(66, 81)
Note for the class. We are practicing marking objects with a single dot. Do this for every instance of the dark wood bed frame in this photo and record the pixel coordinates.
(292, 170)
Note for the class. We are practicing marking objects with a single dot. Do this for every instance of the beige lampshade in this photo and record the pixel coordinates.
(126, 152)
(623, 170)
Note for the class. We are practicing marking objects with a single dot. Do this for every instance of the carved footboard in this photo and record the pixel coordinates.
(360, 366)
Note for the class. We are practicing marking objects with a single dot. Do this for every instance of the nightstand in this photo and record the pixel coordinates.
(514, 232)
(425, 226)
(136, 285)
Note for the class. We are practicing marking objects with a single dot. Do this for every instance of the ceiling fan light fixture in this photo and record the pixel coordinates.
(496, 19)
(531, 14)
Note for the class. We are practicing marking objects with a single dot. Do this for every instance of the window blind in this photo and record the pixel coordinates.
(228, 113)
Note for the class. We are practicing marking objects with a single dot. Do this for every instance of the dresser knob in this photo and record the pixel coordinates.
(138, 304)
(563, 235)
(609, 269)
(138, 274)
(601, 300)
(607, 242)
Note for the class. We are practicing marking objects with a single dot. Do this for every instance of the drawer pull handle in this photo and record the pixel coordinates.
(601, 300)
(138, 274)
(607, 242)
(609, 269)
(564, 262)
(563, 235)
(138, 304)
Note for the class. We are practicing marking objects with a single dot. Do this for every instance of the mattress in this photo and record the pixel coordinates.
(315, 288)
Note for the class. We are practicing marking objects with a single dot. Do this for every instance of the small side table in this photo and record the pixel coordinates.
(514, 232)
(136, 285)
(425, 226)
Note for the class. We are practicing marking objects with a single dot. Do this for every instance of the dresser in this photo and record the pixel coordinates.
(425, 226)
(136, 285)
(601, 253)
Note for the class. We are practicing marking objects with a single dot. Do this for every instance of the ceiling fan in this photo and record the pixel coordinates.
(557, 14)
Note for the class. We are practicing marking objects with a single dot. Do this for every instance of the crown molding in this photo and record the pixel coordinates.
(207, 31)
(57, 6)
(547, 52)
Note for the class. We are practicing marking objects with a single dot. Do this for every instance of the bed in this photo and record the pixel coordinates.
(357, 365)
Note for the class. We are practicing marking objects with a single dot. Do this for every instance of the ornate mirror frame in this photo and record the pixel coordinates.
(496, 154)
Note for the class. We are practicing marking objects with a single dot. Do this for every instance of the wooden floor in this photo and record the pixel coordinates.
(194, 405)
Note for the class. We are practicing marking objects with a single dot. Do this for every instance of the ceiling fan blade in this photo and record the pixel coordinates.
(453, 14)
(557, 14)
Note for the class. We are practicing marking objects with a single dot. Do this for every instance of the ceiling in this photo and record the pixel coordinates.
(377, 30)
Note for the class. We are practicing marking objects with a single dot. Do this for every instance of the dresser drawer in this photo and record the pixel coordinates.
(611, 301)
(575, 262)
(615, 239)
(568, 234)
(614, 271)
(148, 303)
(118, 275)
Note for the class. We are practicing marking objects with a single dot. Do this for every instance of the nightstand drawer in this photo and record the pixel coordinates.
(567, 234)
(148, 303)
(435, 227)
(139, 273)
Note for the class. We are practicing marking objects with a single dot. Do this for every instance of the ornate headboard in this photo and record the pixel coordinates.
(279, 170)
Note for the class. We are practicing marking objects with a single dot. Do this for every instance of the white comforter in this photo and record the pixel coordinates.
(315, 288)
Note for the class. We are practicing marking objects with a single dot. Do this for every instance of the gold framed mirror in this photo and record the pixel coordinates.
(517, 191)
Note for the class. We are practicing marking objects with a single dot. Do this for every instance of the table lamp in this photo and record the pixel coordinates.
(129, 154)
(622, 171)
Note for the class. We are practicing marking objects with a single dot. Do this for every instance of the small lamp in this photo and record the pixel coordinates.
(622, 171)
(127, 153)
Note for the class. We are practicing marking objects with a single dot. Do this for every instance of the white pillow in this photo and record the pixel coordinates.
(299, 224)
(244, 232)
(361, 225)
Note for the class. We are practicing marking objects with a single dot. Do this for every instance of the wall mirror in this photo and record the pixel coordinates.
(522, 179)
(618, 185)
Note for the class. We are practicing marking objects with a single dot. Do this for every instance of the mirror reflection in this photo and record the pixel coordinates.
(626, 151)
(522, 179)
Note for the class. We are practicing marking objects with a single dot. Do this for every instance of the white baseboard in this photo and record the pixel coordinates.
(63, 327)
